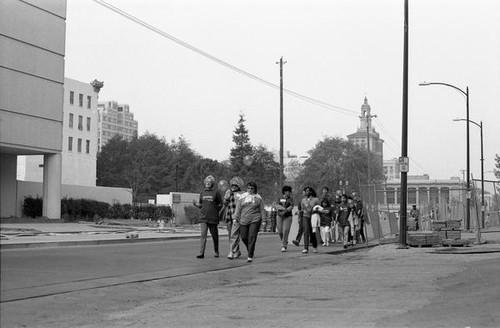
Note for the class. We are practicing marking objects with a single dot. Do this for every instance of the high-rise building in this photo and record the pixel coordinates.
(366, 135)
(32, 41)
(115, 119)
(79, 138)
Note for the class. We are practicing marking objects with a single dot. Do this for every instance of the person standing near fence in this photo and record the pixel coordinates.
(250, 212)
(358, 211)
(283, 209)
(415, 215)
(231, 198)
(210, 203)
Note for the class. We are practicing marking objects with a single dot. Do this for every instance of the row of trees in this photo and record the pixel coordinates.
(150, 165)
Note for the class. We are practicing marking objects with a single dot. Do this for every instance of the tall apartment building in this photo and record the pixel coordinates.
(32, 43)
(366, 134)
(79, 138)
(115, 119)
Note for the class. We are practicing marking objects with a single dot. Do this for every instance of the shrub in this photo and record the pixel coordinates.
(86, 209)
(192, 214)
(32, 207)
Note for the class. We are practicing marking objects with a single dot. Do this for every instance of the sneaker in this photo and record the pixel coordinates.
(283, 249)
(296, 243)
(237, 255)
(305, 251)
(249, 259)
(230, 256)
(200, 256)
(315, 250)
(216, 255)
(324, 244)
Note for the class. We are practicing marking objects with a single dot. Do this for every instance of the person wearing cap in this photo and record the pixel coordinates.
(210, 203)
(415, 215)
(233, 227)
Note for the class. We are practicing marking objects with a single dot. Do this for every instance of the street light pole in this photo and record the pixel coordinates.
(281, 62)
(480, 125)
(466, 94)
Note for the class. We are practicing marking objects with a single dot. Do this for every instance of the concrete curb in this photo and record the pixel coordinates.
(100, 241)
(91, 242)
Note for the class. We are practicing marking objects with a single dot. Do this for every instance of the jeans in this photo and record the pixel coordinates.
(233, 231)
(284, 225)
(309, 234)
(214, 231)
(301, 228)
(248, 234)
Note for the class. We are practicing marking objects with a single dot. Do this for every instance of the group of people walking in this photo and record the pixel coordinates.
(323, 220)
(242, 211)
(326, 220)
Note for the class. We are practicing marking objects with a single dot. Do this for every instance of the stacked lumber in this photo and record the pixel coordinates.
(423, 239)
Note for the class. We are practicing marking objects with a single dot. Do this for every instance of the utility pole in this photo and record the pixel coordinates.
(281, 62)
(404, 136)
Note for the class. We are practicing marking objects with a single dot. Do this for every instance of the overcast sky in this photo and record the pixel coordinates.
(337, 52)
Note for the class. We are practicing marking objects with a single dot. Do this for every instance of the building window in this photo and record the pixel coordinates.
(79, 145)
(87, 147)
(70, 120)
(89, 102)
(70, 143)
(390, 195)
(80, 122)
(80, 100)
(88, 123)
(71, 97)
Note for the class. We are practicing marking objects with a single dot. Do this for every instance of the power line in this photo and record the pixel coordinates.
(224, 63)
(382, 127)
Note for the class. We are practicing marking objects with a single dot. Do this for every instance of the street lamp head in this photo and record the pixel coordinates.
(423, 84)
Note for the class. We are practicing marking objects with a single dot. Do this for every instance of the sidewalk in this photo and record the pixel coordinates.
(26, 235)
(33, 235)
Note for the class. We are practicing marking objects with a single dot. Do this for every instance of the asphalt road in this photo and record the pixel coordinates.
(164, 285)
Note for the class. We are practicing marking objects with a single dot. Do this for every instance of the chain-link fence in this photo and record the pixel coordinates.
(437, 201)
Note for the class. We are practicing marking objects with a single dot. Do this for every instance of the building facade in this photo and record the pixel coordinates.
(115, 119)
(366, 136)
(32, 43)
(391, 169)
(79, 138)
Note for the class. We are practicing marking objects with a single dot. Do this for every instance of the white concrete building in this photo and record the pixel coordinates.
(32, 43)
(79, 138)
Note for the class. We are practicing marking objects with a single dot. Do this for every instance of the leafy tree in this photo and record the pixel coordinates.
(265, 172)
(112, 161)
(333, 160)
(148, 155)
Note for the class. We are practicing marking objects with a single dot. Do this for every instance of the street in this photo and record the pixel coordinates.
(164, 285)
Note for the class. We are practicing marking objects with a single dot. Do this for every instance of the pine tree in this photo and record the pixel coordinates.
(242, 148)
